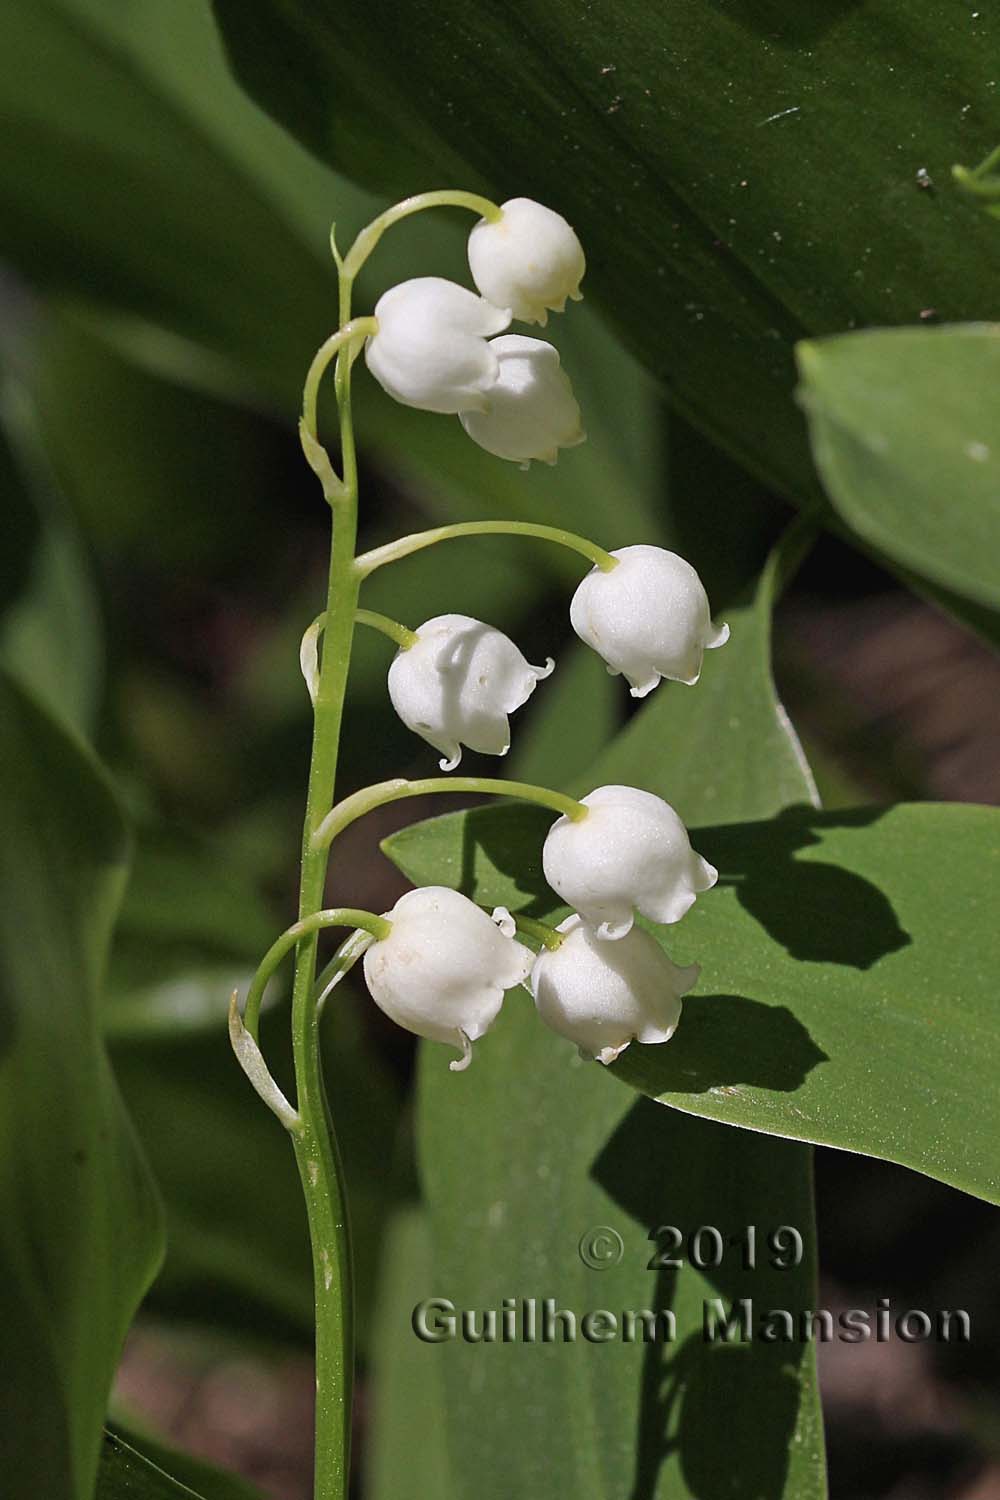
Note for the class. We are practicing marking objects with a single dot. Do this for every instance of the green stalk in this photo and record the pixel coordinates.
(403, 637)
(316, 1150)
(393, 551)
(438, 198)
(370, 797)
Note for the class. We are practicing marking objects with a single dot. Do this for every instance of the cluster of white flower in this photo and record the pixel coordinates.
(444, 966)
(435, 347)
(599, 980)
(458, 681)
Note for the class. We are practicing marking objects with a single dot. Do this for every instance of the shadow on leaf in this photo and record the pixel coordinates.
(663, 1166)
(725, 1041)
(820, 913)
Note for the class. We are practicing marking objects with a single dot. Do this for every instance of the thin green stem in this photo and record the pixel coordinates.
(403, 637)
(393, 551)
(340, 916)
(547, 936)
(979, 180)
(330, 349)
(352, 808)
(316, 1151)
(342, 962)
(439, 198)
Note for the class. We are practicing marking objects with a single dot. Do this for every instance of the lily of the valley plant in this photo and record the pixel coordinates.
(438, 964)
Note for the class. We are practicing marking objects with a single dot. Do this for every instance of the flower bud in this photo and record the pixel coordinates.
(529, 260)
(458, 682)
(604, 995)
(530, 411)
(444, 967)
(630, 853)
(648, 617)
(430, 350)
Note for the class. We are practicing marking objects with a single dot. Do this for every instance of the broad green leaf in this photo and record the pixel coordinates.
(702, 150)
(540, 1150)
(406, 1441)
(80, 1220)
(846, 994)
(128, 1474)
(847, 969)
(906, 438)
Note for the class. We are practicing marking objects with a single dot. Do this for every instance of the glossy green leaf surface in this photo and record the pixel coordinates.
(128, 1474)
(406, 1450)
(837, 1001)
(906, 437)
(700, 147)
(80, 1220)
(540, 1150)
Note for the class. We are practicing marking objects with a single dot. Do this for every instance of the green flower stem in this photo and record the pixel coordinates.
(352, 808)
(547, 936)
(316, 1151)
(349, 332)
(393, 551)
(340, 916)
(346, 956)
(980, 180)
(404, 638)
(440, 198)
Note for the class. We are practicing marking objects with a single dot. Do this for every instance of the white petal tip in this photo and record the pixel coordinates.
(460, 1064)
(610, 932)
(502, 917)
(542, 672)
(643, 689)
(719, 638)
(609, 1055)
(449, 765)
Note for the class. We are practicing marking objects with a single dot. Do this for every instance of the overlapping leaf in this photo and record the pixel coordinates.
(906, 437)
(704, 150)
(80, 1221)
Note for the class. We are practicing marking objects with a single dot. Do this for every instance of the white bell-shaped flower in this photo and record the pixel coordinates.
(648, 617)
(443, 969)
(604, 995)
(529, 260)
(458, 682)
(431, 350)
(630, 853)
(530, 410)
